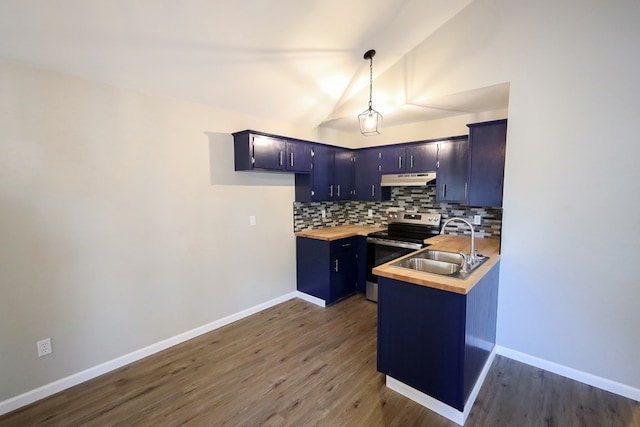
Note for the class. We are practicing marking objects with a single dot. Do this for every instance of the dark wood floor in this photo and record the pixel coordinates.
(300, 365)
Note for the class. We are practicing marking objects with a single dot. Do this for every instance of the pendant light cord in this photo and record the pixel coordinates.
(370, 80)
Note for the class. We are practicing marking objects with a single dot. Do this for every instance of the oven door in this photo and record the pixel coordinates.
(380, 251)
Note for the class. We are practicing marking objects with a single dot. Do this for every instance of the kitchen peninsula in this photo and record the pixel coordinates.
(436, 334)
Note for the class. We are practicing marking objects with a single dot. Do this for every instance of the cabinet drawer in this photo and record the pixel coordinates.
(343, 245)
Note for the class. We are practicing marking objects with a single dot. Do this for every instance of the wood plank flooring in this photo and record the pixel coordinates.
(301, 365)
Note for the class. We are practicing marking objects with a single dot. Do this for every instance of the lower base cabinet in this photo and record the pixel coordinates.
(327, 270)
(437, 341)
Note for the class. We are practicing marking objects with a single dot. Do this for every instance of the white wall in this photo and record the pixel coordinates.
(122, 223)
(571, 229)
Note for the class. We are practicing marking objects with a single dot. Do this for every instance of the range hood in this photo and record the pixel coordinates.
(408, 180)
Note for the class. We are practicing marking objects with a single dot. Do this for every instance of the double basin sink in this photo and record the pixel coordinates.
(441, 262)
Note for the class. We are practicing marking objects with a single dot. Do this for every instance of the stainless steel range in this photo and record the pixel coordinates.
(406, 232)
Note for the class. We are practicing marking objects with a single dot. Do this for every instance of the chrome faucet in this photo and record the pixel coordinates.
(471, 259)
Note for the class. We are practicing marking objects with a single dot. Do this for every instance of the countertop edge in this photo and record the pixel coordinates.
(338, 232)
(459, 286)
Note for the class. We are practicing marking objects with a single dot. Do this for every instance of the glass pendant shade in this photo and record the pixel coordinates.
(370, 122)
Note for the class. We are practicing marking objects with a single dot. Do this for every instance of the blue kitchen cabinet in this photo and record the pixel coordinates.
(487, 145)
(421, 157)
(437, 341)
(331, 177)
(315, 187)
(414, 157)
(452, 170)
(298, 157)
(256, 151)
(392, 159)
(342, 174)
(367, 176)
(327, 269)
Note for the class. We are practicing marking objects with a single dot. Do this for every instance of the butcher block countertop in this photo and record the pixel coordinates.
(339, 232)
(445, 242)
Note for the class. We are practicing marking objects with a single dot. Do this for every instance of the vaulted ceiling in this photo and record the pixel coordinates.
(289, 60)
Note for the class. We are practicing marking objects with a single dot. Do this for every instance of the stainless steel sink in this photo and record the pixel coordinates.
(429, 266)
(440, 262)
(448, 257)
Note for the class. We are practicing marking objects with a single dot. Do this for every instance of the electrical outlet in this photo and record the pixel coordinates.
(477, 220)
(370, 213)
(252, 220)
(44, 347)
(324, 213)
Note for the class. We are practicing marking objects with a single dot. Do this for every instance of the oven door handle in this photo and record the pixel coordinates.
(394, 244)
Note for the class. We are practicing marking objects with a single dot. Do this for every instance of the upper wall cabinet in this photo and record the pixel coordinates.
(412, 157)
(392, 159)
(452, 173)
(342, 174)
(298, 158)
(367, 176)
(421, 157)
(254, 151)
(331, 178)
(487, 146)
(470, 170)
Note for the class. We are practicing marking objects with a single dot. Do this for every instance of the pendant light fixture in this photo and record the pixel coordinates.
(370, 120)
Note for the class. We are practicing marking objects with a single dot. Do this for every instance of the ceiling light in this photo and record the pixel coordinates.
(370, 120)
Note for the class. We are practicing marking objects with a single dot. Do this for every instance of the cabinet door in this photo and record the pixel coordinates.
(487, 145)
(343, 175)
(344, 269)
(422, 157)
(298, 157)
(312, 267)
(453, 165)
(421, 336)
(367, 177)
(392, 159)
(322, 176)
(268, 153)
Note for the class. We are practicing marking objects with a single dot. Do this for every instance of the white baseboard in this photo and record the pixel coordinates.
(583, 377)
(458, 417)
(75, 379)
(311, 299)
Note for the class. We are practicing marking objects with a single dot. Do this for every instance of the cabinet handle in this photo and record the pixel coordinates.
(411, 159)
(399, 162)
(291, 159)
(444, 190)
(331, 190)
(373, 190)
(346, 245)
(336, 265)
(465, 190)
(281, 159)
(338, 190)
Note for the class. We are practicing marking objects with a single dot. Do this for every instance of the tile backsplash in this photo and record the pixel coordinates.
(412, 199)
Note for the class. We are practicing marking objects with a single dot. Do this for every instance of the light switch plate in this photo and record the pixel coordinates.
(477, 220)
